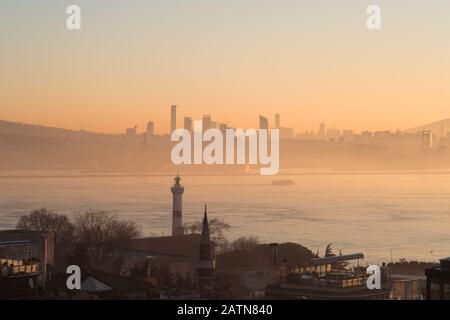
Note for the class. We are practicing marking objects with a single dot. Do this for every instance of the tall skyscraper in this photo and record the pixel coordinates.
(427, 140)
(173, 118)
(263, 123)
(188, 123)
(321, 132)
(206, 260)
(223, 128)
(150, 129)
(207, 122)
(277, 121)
(177, 207)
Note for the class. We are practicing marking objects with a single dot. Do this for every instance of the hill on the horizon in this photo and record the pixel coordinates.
(438, 128)
(9, 127)
(18, 128)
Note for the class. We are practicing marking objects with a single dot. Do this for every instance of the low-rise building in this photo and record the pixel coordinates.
(438, 281)
(408, 287)
(24, 257)
(328, 278)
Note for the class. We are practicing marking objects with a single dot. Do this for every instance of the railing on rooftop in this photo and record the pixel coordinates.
(346, 280)
(19, 267)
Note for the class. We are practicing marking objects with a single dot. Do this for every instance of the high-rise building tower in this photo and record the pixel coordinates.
(149, 132)
(177, 207)
(321, 132)
(427, 140)
(188, 123)
(206, 261)
(150, 129)
(277, 121)
(173, 118)
(223, 128)
(207, 122)
(263, 123)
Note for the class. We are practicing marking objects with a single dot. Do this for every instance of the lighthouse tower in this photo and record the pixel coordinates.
(206, 260)
(177, 207)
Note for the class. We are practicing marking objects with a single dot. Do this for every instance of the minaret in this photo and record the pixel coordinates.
(206, 260)
(177, 207)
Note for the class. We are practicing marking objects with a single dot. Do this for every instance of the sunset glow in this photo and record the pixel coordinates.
(310, 61)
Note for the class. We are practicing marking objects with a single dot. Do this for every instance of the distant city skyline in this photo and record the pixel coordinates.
(322, 130)
(310, 61)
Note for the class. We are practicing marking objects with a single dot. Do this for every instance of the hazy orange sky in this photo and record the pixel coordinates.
(311, 61)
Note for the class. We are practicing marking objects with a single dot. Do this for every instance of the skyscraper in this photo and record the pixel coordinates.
(206, 260)
(173, 118)
(207, 122)
(277, 121)
(321, 132)
(223, 128)
(150, 129)
(177, 207)
(149, 132)
(427, 140)
(263, 123)
(188, 123)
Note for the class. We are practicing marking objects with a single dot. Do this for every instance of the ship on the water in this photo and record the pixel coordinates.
(286, 182)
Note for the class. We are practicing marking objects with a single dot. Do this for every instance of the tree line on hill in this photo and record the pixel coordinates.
(87, 240)
(90, 236)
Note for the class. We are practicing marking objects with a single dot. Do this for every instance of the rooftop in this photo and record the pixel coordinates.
(20, 235)
(445, 263)
(184, 245)
(118, 283)
(300, 292)
(336, 259)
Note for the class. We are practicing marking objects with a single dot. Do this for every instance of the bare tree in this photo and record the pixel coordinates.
(217, 229)
(244, 243)
(79, 256)
(48, 221)
(103, 232)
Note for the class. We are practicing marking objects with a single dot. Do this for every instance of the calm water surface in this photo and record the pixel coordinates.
(406, 214)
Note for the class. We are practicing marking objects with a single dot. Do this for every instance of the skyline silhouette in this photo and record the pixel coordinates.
(311, 61)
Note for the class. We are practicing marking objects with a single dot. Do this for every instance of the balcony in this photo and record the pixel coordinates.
(19, 268)
(333, 280)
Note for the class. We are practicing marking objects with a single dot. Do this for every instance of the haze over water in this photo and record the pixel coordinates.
(369, 213)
